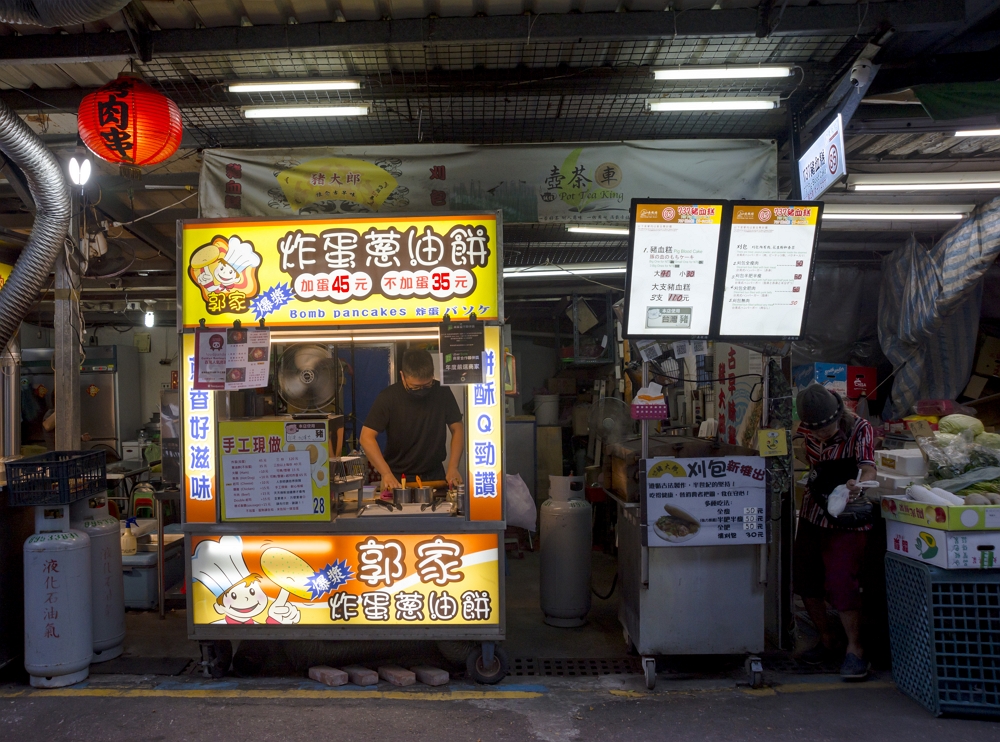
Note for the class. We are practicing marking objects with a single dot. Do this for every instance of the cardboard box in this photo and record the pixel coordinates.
(861, 380)
(560, 385)
(943, 517)
(988, 358)
(831, 375)
(904, 461)
(945, 549)
(896, 484)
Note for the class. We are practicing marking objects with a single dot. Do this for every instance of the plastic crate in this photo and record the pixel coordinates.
(56, 478)
(944, 631)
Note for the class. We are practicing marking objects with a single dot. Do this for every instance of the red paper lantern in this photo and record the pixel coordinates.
(128, 122)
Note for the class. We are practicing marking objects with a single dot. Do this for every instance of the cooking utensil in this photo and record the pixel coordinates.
(422, 494)
(402, 495)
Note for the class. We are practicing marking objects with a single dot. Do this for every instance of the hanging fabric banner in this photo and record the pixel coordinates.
(560, 183)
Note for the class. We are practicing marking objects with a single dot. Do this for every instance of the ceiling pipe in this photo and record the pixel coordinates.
(52, 215)
(53, 13)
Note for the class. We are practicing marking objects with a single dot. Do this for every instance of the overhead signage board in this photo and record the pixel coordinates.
(824, 163)
(768, 269)
(339, 271)
(673, 254)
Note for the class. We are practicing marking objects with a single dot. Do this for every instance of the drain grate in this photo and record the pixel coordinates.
(575, 668)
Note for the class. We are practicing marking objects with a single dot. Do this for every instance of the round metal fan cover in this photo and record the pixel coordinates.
(307, 376)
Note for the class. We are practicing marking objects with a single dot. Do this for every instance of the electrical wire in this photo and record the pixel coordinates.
(610, 592)
(146, 216)
(566, 270)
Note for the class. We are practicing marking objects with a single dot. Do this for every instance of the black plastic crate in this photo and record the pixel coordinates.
(56, 478)
(944, 631)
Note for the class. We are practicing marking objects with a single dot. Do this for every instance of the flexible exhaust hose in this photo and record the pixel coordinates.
(51, 13)
(50, 230)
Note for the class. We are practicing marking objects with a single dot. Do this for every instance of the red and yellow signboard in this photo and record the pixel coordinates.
(335, 272)
(368, 580)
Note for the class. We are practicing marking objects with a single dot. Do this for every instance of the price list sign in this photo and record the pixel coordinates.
(718, 501)
(267, 484)
(671, 269)
(768, 270)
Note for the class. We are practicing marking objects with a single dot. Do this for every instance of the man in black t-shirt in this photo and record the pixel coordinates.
(414, 413)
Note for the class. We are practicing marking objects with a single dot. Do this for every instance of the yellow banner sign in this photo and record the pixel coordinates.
(367, 580)
(328, 272)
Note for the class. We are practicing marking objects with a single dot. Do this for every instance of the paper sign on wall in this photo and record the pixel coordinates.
(232, 359)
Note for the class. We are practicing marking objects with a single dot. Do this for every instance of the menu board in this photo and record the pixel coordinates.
(462, 345)
(671, 269)
(716, 501)
(258, 485)
(768, 269)
(232, 359)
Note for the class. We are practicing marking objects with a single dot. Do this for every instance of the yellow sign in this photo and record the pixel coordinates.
(772, 442)
(357, 580)
(198, 450)
(336, 178)
(5, 271)
(261, 470)
(330, 272)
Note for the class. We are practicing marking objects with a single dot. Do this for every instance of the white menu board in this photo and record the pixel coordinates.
(672, 263)
(232, 359)
(261, 485)
(717, 501)
(768, 270)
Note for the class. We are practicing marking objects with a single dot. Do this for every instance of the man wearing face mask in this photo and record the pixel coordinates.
(414, 413)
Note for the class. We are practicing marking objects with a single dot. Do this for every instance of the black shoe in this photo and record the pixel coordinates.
(855, 668)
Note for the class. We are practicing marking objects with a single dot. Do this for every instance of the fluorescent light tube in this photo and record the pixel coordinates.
(552, 271)
(722, 72)
(667, 105)
(944, 181)
(892, 216)
(305, 338)
(978, 133)
(598, 230)
(292, 86)
(282, 112)
(965, 186)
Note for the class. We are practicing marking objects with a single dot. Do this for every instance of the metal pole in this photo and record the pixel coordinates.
(68, 340)
(645, 423)
(10, 397)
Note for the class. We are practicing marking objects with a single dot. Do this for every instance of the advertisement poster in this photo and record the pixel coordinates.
(561, 183)
(768, 270)
(274, 470)
(719, 501)
(232, 359)
(462, 345)
(824, 163)
(352, 580)
(340, 271)
(671, 276)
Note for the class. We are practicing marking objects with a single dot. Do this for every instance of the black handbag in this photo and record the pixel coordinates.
(824, 478)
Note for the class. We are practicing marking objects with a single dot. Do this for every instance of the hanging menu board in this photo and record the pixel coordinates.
(673, 253)
(768, 269)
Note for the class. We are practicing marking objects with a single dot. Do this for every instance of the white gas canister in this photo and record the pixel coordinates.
(107, 582)
(566, 542)
(58, 633)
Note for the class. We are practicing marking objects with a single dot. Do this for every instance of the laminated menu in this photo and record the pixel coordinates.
(259, 485)
(232, 359)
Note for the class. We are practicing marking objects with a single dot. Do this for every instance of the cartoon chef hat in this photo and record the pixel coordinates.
(240, 255)
(218, 565)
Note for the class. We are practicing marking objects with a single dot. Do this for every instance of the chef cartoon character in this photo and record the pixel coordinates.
(226, 265)
(239, 597)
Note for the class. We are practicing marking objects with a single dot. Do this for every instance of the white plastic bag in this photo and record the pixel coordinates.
(520, 505)
(837, 500)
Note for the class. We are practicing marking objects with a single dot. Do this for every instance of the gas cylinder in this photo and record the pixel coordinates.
(566, 540)
(91, 516)
(58, 635)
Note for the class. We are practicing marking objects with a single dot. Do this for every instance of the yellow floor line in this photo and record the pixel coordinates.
(207, 693)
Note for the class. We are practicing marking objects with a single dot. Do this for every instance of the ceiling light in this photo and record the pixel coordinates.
(293, 86)
(965, 181)
(281, 112)
(978, 133)
(79, 172)
(150, 319)
(901, 212)
(722, 72)
(564, 271)
(598, 230)
(300, 338)
(888, 215)
(666, 105)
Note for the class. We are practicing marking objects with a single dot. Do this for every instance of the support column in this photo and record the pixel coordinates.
(68, 340)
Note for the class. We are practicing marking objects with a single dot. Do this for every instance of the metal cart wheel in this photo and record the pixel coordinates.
(755, 671)
(487, 664)
(649, 670)
(216, 657)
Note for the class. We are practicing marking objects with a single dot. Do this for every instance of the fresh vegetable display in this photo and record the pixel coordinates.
(956, 457)
(959, 423)
(988, 440)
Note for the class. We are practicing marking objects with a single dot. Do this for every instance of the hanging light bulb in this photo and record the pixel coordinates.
(79, 172)
(150, 319)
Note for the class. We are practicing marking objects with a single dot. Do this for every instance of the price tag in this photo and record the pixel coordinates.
(921, 429)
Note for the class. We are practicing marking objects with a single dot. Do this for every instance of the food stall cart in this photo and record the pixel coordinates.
(280, 541)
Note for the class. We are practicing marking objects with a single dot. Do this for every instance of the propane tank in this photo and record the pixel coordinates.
(58, 636)
(567, 538)
(107, 583)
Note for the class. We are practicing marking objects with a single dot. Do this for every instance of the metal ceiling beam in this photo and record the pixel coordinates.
(118, 212)
(819, 20)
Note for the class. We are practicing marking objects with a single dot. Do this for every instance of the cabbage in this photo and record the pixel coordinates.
(943, 439)
(989, 440)
(958, 423)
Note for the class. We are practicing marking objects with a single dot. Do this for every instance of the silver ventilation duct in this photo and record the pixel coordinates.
(52, 13)
(50, 230)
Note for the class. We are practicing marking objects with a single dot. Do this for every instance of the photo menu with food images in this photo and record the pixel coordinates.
(232, 359)
(715, 501)
(768, 270)
(672, 266)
